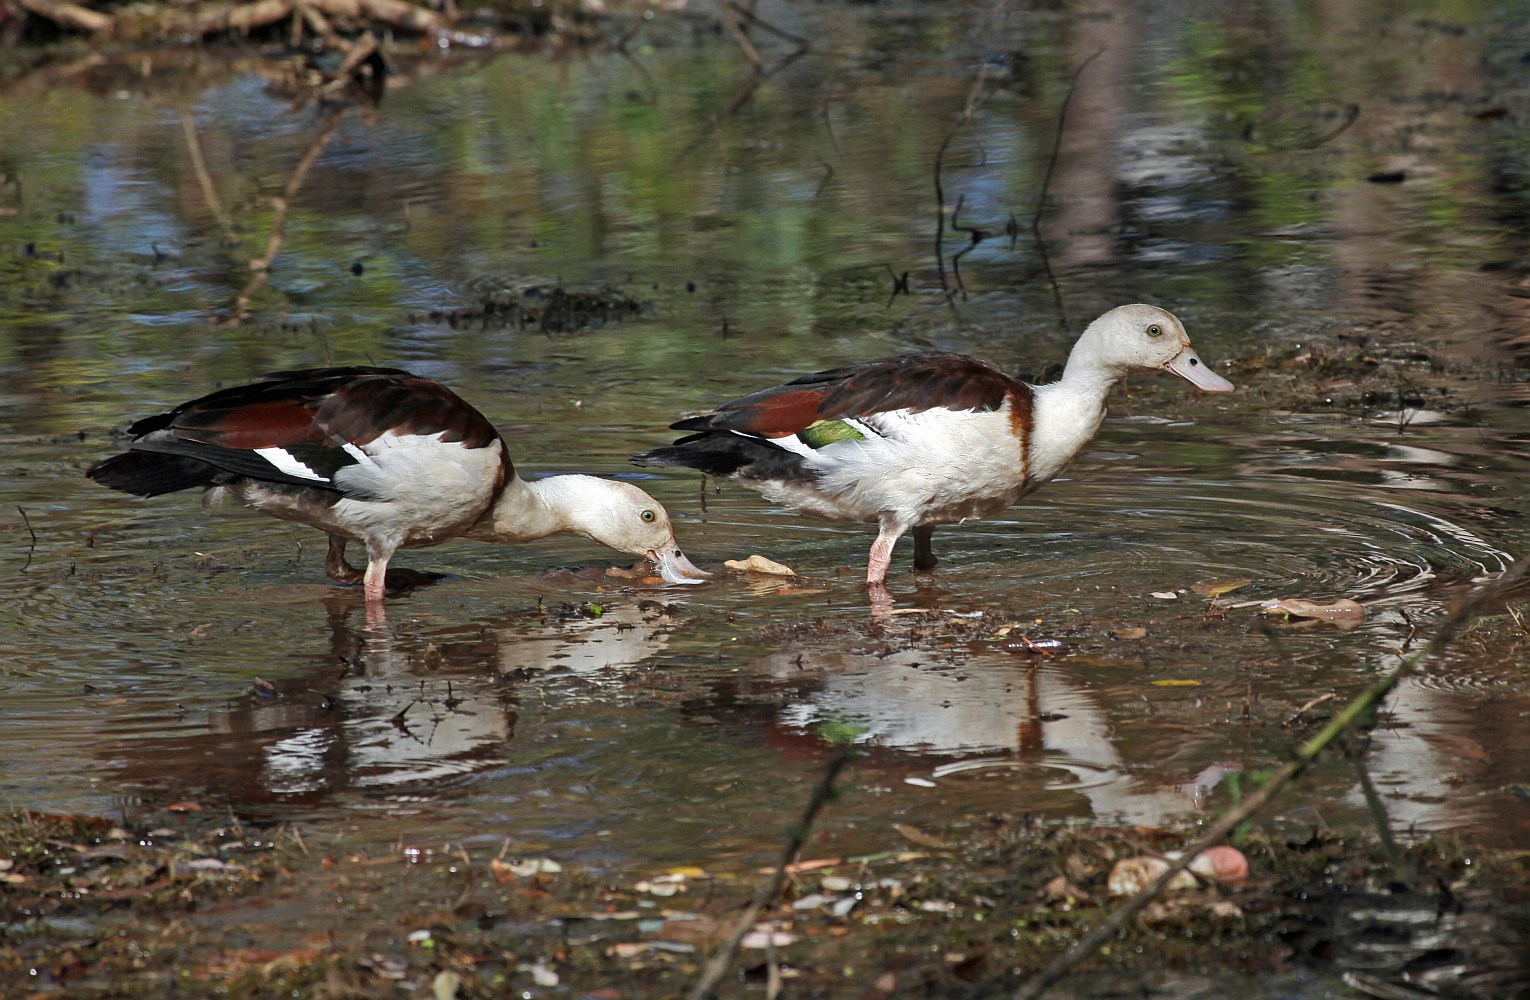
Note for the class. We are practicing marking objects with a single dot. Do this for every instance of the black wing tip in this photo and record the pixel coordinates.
(151, 474)
(729, 456)
(702, 423)
(669, 455)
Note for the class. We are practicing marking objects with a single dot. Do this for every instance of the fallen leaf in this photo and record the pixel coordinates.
(766, 937)
(1165, 595)
(507, 871)
(1171, 683)
(1136, 632)
(213, 865)
(759, 564)
(1216, 588)
(1340, 610)
(918, 836)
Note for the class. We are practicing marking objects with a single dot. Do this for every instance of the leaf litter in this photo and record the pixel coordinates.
(985, 898)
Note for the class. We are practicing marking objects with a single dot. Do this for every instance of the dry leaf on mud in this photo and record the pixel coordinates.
(1340, 610)
(759, 564)
(509, 871)
(765, 936)
(1135, 632)
(918, 836)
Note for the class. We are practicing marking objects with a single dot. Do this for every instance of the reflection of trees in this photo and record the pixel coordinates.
(260, 267)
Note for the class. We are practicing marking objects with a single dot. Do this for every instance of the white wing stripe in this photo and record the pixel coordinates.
(288, 464)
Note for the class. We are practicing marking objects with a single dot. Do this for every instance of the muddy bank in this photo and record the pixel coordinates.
(196, 904)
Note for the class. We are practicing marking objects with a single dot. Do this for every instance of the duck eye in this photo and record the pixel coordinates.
(649, 517)
(1154, 330)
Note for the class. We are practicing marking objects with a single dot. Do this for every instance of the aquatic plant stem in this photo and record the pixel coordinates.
(1361, 708)
(772, 890)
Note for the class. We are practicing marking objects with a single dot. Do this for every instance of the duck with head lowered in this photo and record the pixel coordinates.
(921, 440)
(382, 457)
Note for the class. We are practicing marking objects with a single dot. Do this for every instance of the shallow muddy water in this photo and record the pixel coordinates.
(1337, 220)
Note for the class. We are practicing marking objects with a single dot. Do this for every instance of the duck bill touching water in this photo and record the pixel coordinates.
(381, 457)
(921, 440)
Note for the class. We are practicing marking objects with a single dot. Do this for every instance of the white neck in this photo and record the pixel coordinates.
(530, 510)
(1068, 412)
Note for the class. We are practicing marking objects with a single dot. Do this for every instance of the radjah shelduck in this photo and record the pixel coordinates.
(382, 457)
(921, 440)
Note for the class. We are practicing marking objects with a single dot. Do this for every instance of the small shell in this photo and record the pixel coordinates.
(1223, 863)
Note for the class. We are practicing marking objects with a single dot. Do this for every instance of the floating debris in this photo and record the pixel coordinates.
(1340, 610)
(759, 564)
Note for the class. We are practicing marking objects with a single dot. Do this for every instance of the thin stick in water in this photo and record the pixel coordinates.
(768, 894)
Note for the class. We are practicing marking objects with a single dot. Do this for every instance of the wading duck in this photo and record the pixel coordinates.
(382, 457)
(921, 440)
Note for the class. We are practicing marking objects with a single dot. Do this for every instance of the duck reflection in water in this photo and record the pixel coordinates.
(382, 712)
(926, 712)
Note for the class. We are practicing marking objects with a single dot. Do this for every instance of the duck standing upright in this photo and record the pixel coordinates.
(383, 457)
(921, 440)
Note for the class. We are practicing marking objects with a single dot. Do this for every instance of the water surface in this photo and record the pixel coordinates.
(1222, 164)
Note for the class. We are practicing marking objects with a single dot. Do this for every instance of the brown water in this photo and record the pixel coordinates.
(152, 651)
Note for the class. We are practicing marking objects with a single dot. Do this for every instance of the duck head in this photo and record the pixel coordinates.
(1144, 336)
(629, 520)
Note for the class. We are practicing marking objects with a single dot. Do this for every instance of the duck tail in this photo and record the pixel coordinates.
(150, 474)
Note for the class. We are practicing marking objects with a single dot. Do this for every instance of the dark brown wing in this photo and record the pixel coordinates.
(293, 427)
(914, 382)
(739, 439)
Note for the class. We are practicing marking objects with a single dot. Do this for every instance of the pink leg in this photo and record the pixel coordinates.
(881, 551)
(375, 583)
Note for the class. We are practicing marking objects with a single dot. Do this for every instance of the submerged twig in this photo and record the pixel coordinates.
(768, 894)
(1378, 811)
(1046, 184)
(940, 193)
(730, 19)
(261, 266)
(762, 73)
(749, 15)
(204, 177)
(1358, 710)
(30, 548)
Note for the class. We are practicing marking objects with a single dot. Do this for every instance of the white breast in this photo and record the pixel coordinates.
(931, 467)
(414, 488)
